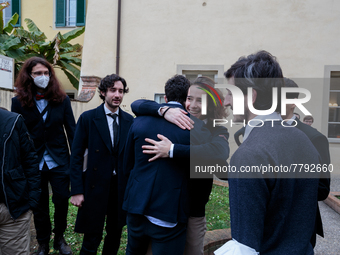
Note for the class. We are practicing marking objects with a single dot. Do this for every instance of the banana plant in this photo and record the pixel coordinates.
(59, 52)
(9, 45)
(21, 44)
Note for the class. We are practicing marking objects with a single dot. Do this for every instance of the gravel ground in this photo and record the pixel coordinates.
(330, 245)
(331, 226)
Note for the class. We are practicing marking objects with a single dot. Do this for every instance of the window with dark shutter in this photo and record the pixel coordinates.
(70, 13)
(16, 8)
(60, 20)
(80, 13)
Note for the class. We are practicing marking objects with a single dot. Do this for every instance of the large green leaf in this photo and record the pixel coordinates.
(70, 48)
(10, 24)
(12, 44)
(20, 32)
(65, 45)
(71, 60)
(29, 36)
(24, 57)
(58, 36)
(39, 36)
(43, 46)
(32, 27)
(73, 34)
(49, 56)
(75, 71)
(4, 38)
(74, 81)
(70, 54)
(15, 53)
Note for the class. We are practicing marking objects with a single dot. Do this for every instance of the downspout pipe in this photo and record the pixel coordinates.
(118, 36)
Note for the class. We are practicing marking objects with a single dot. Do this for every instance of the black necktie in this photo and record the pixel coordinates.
(115, 130)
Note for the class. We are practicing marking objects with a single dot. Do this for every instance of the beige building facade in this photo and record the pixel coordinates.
(204, 37)
(158, 39)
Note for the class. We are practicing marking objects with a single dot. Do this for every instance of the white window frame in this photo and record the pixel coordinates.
(159, 97)
(325, 111)
(219, 68)
(6, 10)
(67, 14)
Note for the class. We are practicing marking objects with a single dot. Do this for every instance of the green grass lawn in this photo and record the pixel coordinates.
(217, 214)
(75, 239)
(217, 210)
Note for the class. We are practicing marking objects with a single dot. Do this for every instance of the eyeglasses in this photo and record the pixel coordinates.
(40, 73)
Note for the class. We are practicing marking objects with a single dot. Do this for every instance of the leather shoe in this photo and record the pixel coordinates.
(43, 249)
(61, 245)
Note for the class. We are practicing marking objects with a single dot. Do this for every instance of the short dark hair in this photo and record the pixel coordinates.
(231, 71)
(308, 117)
(109, 81)
(291, 84)
(176, 89)
(262, 72)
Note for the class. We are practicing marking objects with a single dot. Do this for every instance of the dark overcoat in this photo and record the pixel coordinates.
(159, 188)
(49, 135)
(92, 133)
(320, 142)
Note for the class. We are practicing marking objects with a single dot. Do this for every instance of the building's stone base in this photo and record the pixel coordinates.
(90, 84)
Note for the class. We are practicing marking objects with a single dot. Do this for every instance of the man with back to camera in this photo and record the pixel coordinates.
(214, 153)
(156, 196)
(320, 142)
(99, 191)
(266, 213)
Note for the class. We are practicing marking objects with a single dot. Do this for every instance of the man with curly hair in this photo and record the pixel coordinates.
(98, 188)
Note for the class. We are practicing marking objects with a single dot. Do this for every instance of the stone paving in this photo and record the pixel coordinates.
(330, 245)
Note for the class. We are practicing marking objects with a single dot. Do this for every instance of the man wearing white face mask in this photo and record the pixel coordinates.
(47, 112)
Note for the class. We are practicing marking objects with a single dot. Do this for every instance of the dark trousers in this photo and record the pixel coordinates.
(113, 229)
(59, 179)
(164, 241)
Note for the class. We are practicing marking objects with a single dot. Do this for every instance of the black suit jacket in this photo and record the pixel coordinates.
(215, 151)
(92, 132)
(49, 135)
(321, 144)
(157, 188)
